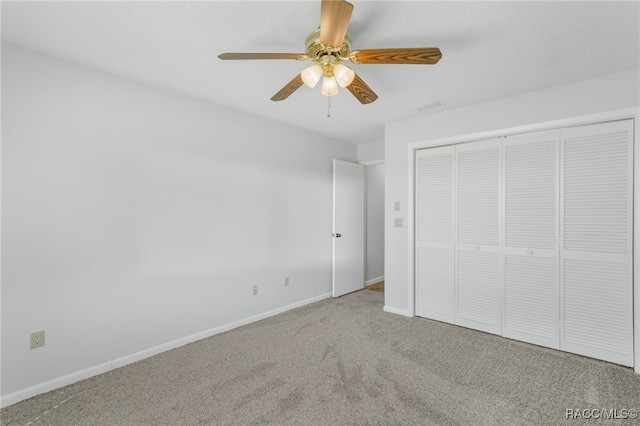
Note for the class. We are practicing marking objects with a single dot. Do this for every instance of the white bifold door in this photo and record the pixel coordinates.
(434, 233)
(596, 257)
(530, 250)
(478, 292)
(529, 237)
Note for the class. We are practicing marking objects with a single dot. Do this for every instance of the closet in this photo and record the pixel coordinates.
(530, 237)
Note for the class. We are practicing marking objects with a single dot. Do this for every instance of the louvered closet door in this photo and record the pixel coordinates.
(434, 233)
(478, 279)
(531, 276)
(596, 245)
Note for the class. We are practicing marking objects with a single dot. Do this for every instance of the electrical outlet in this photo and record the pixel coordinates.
(255, 290)
(286, 281)
(37, 339)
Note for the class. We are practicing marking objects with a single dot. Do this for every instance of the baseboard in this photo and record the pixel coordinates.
(397, 311)
(129, 359)
(38, 389)
(50, 385)
(374, 280)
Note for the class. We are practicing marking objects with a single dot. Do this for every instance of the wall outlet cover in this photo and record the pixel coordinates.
(37, 339)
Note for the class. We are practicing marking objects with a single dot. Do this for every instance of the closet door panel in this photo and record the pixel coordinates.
(597, 315)
(531, 191)
(596, 241)
(596, 190)
(531, 281)
(434, 290)
(531, 300)
(478, 290)
(478, 278)
(434, 234)
(478, 195)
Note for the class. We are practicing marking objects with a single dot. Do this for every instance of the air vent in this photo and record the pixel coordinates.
(430, 106)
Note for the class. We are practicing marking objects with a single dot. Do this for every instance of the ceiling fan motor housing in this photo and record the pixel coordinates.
(323, 54)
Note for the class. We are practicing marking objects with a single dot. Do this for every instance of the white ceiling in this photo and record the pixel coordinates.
(490, 50)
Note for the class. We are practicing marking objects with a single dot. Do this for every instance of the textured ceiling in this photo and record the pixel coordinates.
(490, 50)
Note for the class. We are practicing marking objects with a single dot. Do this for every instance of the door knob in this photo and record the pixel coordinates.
(337, 235)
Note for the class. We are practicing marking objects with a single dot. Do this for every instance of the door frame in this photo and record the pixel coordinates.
(366, 217)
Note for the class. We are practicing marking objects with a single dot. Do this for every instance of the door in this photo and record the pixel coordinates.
(531, 277)
(543, 238)
(478, 287)
(348, 227)
(434, 233)
(596, 241)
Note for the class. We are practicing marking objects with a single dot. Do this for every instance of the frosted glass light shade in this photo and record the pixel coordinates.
(311, 76)
(344, 75)
(329, 86)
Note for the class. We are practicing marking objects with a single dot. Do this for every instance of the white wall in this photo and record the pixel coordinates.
(531, 111)
(374, 176)
(135, 219)
(370, 153)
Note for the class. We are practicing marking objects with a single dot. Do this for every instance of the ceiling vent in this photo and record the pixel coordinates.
(430, 106)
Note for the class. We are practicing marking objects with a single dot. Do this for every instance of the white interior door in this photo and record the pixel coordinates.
(531, 277)
(435, 233)
(596, 241)
(348, 227)
(478, 287)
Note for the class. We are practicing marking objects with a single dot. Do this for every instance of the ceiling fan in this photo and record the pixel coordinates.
(328, 46)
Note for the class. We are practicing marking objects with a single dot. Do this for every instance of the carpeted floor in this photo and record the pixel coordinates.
(342, 362)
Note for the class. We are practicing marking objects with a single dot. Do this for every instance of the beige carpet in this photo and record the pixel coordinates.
(342, 362)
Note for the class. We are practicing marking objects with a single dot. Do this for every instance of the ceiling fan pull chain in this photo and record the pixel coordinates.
(329, 107)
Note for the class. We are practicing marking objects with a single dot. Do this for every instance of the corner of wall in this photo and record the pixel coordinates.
(371, 153)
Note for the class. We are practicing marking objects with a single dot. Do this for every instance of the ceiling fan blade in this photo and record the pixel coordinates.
(361, 91)
(417, 55)
(334, 21)
(287, 90)
(235, 56)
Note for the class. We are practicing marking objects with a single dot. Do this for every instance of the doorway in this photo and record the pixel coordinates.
(374, 207)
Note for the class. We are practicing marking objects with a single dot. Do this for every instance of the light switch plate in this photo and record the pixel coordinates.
(396, 206)
(397, 222)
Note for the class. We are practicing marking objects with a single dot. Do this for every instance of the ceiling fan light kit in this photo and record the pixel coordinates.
(343, 74)
(329, 86)
(311, 76)
(328, 46)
